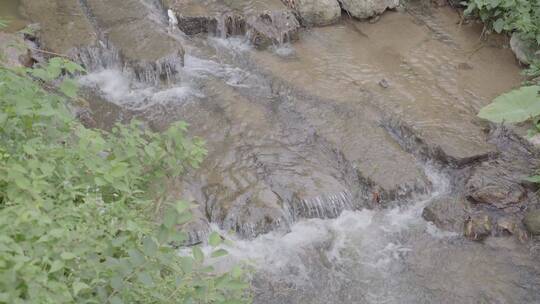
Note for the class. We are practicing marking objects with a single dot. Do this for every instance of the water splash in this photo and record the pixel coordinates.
(117, 87)
(324, 206)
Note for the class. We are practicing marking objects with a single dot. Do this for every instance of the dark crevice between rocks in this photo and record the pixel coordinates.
(491, 197)
(414, 144)
(261, 28)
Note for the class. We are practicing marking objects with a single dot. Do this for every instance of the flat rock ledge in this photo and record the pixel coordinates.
(264, 24)
(100, 34)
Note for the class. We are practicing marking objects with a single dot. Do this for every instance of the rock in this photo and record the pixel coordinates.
(447, 213)
(493, 185)
(534, 140)
(247, 211)
(478, 227)
(103, 34)
(60, 16)
(439, 3)
(143, 43)
(532, 222)
(524, 51)
(511, 226)
(363, 9)
(316, 12)
(13, 51)
(384, 83)
(269, 28)
(264, 23)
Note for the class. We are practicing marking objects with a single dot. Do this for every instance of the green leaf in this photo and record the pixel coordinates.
(214, 239)
(116, 300)
(136, 257)
(534, 179)
(236, 272)
(145, 279)
(498, 25)
(117, 283)
(78, 286)
(67, 256)
(73, 67)
(149, 246)
(516, 106)
(198, 254)
(181, 206)
(56, 265)
(170, 219)
(219, 253)
(69, 87)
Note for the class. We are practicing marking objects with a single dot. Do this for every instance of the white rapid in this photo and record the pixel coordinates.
(383, 256)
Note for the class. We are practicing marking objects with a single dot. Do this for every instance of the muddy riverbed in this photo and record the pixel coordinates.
(346, 161)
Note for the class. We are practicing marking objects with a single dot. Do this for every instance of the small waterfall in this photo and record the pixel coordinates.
(323, 206)
(197, 236)
(261, 29)
(272, 28)
(164, 70)
(99, 57)
(105, 55)
(250, 230)
(230, 25)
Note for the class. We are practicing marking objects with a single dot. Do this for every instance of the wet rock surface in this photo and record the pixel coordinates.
(447, 213)
(488, 185)
(264, 23)
(532, 222)
(363, 9)
(103, 34)
(316, 12)
(65, 27)
(524, 51)
(478, 227)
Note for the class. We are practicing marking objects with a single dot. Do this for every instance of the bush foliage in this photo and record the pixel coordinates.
(522, 16)
(76, 213)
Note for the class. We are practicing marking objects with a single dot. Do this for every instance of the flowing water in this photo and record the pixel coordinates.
(321, 155)
(334, 249)
(390, 256)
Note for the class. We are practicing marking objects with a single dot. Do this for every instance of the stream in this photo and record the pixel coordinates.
(324, 150)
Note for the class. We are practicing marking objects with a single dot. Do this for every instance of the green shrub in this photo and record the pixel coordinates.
(522, 16)
(77, 220)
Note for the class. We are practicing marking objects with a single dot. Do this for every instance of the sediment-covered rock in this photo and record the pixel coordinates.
(316, 12)
(532, 222)
(493, 186)
(524, 51)
(447, 213)
(367, 8)
(478, 227)
(64, 26)
(511, 225)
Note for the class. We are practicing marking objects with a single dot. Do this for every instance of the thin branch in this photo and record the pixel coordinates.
(48, 52)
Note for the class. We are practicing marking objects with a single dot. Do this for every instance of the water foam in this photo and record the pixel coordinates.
(119, 88)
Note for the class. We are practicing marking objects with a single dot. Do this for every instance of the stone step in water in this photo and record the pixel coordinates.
(263, 22)
(131, 35)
